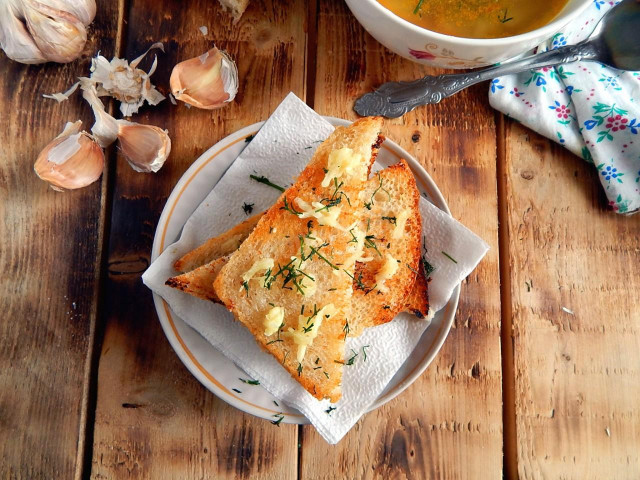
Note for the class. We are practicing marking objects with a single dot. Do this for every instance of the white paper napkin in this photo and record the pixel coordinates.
(279, 151)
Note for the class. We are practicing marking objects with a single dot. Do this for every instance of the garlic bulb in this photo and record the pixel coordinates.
(125, 82)
(208, 81)
(33, 31)
(71, 160)
(144, 146)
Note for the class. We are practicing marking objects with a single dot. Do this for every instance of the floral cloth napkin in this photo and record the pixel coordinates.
(591, 109)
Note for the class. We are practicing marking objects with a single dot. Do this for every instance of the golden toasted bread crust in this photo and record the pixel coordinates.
(217, 247)
(199, 282)
(418, 300)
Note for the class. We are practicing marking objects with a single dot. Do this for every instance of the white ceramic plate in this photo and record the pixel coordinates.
(212, 368)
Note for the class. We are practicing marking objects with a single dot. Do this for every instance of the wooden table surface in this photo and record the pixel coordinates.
(89, 386)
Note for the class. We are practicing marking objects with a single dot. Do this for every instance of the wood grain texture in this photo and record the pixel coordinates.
(50, 259)
(577, 375)
(153, 419)
(448, 423)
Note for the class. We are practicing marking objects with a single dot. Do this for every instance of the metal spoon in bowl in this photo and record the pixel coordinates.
(614, 42)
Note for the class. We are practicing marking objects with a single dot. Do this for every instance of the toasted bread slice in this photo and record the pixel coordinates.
(393, 228)
(217, 247)
(299, 249)
(199, 282)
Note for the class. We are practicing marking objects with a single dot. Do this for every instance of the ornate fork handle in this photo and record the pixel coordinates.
(394, 99)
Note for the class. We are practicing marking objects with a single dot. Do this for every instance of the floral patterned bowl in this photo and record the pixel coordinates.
(438, 50)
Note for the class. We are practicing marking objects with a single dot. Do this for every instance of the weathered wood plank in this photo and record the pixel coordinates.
(50, 259)
(577, 375)
(448, 424)
(176, 428)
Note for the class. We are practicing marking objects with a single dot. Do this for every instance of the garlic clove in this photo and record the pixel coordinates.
(59, 35)
(208, 81)
(105, 128)
(145, 147)
(71, 160)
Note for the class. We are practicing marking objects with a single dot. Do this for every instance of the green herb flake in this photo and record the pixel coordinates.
(369, 243)
(266, 181)
(249, 138)
(326, 374)
(528, 286)
(276, 403)
(247, 208)
(236, 390)
(504, 18)
(391, 220)
(290, 208)
(322, 257)
(418, 7)
(249, 382)
(377, 190)
(277, 422)
(449, 257)
(329, 410)
(352, 358)
(346, 328)
(412, 269)
(364, 351)
(299, 368)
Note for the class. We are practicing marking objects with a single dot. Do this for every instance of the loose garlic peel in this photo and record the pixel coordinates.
(208, 81)
(124, 81)
(34, 31)
(71, 160)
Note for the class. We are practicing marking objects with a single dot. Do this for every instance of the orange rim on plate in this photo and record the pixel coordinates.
(163, 225)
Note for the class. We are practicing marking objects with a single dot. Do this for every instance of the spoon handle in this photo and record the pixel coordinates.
(394, 99)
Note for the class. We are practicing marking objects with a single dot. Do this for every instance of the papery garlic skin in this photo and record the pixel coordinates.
(34, 31)
(125, 82)
(59, 35)
(83, 10)
(145, 147)
(71, 160)
(15, 40)
(209, 81)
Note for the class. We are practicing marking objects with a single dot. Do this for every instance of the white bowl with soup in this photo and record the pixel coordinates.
(464, 33)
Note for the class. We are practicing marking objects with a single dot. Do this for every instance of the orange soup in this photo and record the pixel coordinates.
(477, 18)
